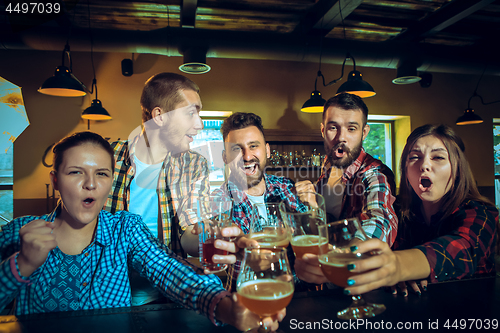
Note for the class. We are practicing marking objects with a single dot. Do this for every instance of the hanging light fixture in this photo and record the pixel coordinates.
(355, 84)
(63, 83)
(406, 74)
(95, 111)
(195, 60)
(469, 117)
(316, 102)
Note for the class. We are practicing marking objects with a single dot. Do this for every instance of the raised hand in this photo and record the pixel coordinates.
(236, 246)
(37, 241)
(387, 268)
(302, 188)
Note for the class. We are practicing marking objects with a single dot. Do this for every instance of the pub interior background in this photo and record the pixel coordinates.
(274, 89)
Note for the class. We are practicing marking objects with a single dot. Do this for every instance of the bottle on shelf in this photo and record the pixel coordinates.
(306, 161)
(297, 159)
(316, 158)
(284, 159)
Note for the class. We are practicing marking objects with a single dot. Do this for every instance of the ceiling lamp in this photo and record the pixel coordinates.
(95, 111)
(469, 118)
(406, 74)
(63, 83)
(314, 104)
(195, 59)
(355, 84)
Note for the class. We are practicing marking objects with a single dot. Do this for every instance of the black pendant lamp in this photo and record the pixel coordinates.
(95, 111)
(469, 118)
(63, 83)
(316, 102)
(355, 84)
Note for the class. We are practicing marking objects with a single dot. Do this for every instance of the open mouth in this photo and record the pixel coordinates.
(250, 169)
(425, 183)
(88, 201)
(340, 152)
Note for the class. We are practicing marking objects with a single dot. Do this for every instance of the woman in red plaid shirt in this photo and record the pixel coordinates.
(447, 229)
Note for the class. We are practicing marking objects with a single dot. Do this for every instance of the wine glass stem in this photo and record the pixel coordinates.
(357, 300)
(262, 328)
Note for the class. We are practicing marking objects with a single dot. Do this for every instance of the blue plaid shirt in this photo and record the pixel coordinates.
(277, 189)
(119, 239)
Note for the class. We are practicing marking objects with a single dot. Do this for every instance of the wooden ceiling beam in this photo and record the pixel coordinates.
(325, 15)
(442, 18)
(188, 13)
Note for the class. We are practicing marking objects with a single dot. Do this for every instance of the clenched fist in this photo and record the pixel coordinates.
(36, 242)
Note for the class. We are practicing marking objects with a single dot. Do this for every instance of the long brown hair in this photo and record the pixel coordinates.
(463, 185)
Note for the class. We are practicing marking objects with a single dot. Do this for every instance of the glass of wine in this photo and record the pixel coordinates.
(214, 213)
(333, 260)
(304, 224)
(267, 226)
(265, 283)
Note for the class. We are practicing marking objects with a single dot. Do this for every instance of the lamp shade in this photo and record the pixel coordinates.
(356, 86)
(406, 74)
(469, 118)
(195, 61)
(96, 112)
(63, 83)
(314, 104)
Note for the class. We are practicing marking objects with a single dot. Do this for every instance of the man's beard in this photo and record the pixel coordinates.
(242, 179)
(350, 155)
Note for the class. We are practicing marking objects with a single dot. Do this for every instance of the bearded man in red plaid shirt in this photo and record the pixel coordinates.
(353, 183)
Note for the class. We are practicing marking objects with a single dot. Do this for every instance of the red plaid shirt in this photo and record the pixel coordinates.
(461, 245)
(368, 194)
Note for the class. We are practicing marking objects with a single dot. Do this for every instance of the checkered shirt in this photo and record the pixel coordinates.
(458, 246)
(119, 239)
(277, 189)
(183, 179)
(369, 194)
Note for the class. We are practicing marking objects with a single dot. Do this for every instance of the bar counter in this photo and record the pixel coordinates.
(469, 305)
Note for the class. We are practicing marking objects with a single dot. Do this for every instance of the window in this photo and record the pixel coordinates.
(209, 143)
(378, 143)
(6, 186)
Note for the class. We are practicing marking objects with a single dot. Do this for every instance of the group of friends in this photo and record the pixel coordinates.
(132, 205)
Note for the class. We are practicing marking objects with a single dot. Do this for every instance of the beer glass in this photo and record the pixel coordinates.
(333, 260)
(265, 283)
(215, 213)
(267, 226)
(304, 224)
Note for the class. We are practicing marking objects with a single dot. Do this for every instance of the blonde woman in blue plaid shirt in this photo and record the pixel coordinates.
(76, 257)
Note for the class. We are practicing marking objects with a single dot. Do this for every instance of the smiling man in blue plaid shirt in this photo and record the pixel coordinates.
(246, 152)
